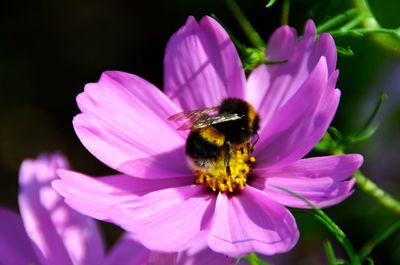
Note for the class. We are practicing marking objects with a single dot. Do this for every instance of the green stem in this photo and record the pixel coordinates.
(361, 32)
(336, 21)
(330, 254)
(382, 96)
(245, 24)
(285, 12)
(331, 226)
(253, 259)
(353, 23)
(363, 7)
(376, 193)
(379, 238)
(389, 42)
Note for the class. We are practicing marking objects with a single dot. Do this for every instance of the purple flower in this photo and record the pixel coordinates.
(49, 232)
(124, 123)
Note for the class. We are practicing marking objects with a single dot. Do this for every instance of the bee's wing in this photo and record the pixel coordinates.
(201, 123)
(193, 114)
(192, 117)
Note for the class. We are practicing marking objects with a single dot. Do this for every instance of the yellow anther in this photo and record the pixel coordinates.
(216, 177)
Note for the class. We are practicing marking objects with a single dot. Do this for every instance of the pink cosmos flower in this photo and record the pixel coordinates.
(51, 233)
(124, 123)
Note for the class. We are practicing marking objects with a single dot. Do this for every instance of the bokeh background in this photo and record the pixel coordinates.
(50, 49)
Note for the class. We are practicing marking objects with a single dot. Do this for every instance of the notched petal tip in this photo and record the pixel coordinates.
(310, 30)
(259, 225)
(191, 20)
(324, 181)
(42, 169)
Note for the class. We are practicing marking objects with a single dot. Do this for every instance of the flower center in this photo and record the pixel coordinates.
(228, 173)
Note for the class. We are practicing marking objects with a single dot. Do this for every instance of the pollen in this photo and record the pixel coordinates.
(228, 177)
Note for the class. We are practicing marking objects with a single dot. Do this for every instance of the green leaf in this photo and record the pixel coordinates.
(344, 51)
(377, 239)
(370, 261)
(382, 96)
(362, 136)
(253, 259)
(253, 57)
(326, 145)
(330, 254)
(270, 3)
(335, 134)
(366, 131)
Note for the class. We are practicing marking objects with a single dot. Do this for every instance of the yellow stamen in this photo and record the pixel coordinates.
(216, 176)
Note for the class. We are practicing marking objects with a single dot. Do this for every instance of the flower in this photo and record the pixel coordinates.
(50, 232)
(124, 123)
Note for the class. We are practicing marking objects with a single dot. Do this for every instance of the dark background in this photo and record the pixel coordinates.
(50, 49)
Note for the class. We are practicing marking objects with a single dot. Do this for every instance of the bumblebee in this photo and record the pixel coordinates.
(217, 131)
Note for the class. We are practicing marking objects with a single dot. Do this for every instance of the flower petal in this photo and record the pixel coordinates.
(168, 220)
(297, 127)
(124, 123)
(162, 258)
(201, 254)
(303, 53)
(60, 235)
(127, 251)
(202, 66)
(15, 246)
(251, 222)
(94, 195)
(271, 87)
(324, 181)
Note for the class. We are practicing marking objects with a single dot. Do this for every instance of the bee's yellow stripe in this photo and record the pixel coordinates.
(251, 115)
(212, 135)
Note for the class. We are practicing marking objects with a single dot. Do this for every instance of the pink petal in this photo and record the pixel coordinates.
(162, 258)
(305, 53)
(15, 246)
(297, 126)
(324, 181)
(124, 123)
(60, 235)
(202, 65)
(258, 92)
(94, 195)
(167, 220)
(251, 222)
(201, 254)
(127, 251)
(269, 88)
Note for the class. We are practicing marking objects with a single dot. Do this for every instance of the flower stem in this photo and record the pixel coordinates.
(331, 226)
(353, 23)
(336, 21)
(285, 12)
(377, 239)
(253, 259)
(390, 41)
(361, 32)
(367, 124)
(376, 193)
(245, 24)
(330, 253)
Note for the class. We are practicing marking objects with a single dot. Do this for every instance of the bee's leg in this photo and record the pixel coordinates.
(228, 150)
(253, 144)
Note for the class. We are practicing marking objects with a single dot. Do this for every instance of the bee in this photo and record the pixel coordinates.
(215, 130)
